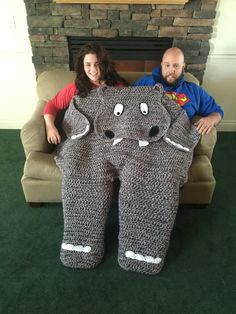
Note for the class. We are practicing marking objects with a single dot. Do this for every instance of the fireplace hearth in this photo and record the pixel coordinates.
(129, 53)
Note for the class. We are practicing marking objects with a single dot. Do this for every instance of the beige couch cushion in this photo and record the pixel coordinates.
(41, 166)
(200, 169)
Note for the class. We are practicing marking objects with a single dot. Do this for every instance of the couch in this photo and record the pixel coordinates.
(41, 180)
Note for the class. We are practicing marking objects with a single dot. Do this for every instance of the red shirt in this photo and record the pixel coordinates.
(62, 99)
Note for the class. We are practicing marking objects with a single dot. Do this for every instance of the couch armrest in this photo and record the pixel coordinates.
(206, 144)
(33, 135)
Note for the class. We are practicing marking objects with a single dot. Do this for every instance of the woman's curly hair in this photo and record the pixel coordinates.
(107, 68)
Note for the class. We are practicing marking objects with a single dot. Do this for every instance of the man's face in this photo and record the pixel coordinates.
(172, 67)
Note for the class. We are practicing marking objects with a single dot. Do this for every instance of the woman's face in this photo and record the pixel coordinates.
(92, 68)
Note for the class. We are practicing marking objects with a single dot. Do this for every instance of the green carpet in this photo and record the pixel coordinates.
(199, 275)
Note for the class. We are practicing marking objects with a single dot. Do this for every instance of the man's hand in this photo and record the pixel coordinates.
(206, 124)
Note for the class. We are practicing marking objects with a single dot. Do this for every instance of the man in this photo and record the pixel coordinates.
(193, 98)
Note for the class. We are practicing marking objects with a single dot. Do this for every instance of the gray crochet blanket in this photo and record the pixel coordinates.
(146, 140)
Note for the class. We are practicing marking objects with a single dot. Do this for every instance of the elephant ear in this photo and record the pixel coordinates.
(101, 89)
(159, 88)
(182, 134)
(75, 124)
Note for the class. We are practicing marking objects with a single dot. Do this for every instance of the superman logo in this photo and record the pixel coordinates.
(180, 98)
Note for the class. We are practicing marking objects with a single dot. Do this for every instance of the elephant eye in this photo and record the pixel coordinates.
(144, 108)
(118, 109)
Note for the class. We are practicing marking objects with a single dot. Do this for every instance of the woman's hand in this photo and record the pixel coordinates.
(53, 136)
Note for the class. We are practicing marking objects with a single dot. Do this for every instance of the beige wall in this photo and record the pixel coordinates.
(17, 75)
(220, 75)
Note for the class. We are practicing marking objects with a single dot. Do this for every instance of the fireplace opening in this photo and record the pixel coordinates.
(137, 54)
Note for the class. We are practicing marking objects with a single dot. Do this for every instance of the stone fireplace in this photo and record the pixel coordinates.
(136, 54)
(189, 26)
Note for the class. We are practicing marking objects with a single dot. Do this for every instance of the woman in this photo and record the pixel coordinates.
(94, 68)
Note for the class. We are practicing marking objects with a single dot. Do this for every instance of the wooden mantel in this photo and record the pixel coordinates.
(125, 1)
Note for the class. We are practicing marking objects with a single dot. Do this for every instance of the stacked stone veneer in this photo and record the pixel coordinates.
(49, 24)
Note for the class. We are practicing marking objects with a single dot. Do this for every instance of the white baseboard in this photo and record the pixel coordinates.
(12, 123)
(227, 126)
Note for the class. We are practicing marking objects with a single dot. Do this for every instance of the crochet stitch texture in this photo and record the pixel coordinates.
(146, 140)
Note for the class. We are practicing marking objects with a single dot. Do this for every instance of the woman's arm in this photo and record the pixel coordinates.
(60, 101)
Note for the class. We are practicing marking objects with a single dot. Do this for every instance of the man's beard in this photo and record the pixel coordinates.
(175, 82)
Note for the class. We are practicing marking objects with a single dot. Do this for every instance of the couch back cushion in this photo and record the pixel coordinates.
(50, 82)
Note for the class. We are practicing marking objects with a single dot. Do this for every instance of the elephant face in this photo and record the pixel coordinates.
(143, 114)
(133, 113)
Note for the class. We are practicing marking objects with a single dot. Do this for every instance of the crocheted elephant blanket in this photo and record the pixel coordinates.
(146, 140)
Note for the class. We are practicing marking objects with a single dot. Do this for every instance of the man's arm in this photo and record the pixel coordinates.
(210, 111)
